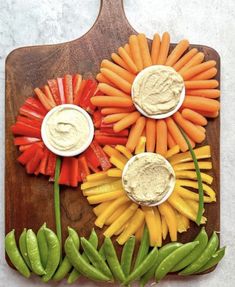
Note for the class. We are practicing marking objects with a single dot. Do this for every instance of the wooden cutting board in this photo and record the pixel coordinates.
(29, 199)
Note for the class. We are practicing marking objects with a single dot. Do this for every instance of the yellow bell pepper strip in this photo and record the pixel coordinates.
(164, 227)
(101, 207)
(110, 151)
(90, 184)
(114, 172)
(124, 150)
(151, 222)
(140, 145)
(194, 205)
(169, 214)
(95, 199)
(193, 175)
(207, 189)
(159, 226)
(116, 161)
(117, 213)
(120, 230)
(188, 194)
(172, 151)
(115, 185)
(97, 176)
(200, 153)
(182, 221)
(190, 166)
(120, 221)
(133, 225)
(108, 211)
(139, 233)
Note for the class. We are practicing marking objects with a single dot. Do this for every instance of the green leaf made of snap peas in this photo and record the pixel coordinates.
(23, 248)
(199, 180)
(127, 255)
(143, 249)
(14, 254)
(42, 245)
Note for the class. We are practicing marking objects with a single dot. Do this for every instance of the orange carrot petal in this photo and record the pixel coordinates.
(108, 101)
(195, 70)
(164, 49)
(135, 134)
(126, 122)
(135, 52)
(118, 60)
(102, 79)
(206, 75)
(127, 59)
(114, 118)
(177, 52)
(203, 84)
(185, 59)
(110, 111)
(155, 48)
(111, 91)
(201, 104)
(170, 141)
(150, 135)
(207, 93)
(128, 50)
(144, 49)
(194, 117)
(161, 146)
(195, 60)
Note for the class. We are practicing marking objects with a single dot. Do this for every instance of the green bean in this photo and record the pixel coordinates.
(172, 259)
(144, 266)
(23, 248)
(14, 254)
(102, 252)
(80, 264)
(202, 238)
(33, 253)
(95, 258)
(112, 259)
(215, 259)
(42, 245)
(127, 255)
(204, 257)
(57, 201)
(74, 275)
(54, 254)
(143, 249)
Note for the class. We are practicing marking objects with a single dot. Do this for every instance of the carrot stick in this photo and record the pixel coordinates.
(209, 114)
(155, 48)
(201, 104)
(201, 128)
(117, 80)
(128, 50)
(176, 134)
(194, 117)
(49, 95)
(208, 93)
(185, 59)
(135, 52)
(206, 75)
(118, 60)
(114, 118)
(135, 134)
(201, 84)
(161, 145)
(109, 111)
(43, 99)
(170, 141)
(126, 122)
(111, 91)
(177, 52)
(102, 79)
(195, 60)
(144, 49)
(118, 70)
(195, 70)
(189, 128)
(150, 135)
(164, 49)
(127, 59)
(108, 101)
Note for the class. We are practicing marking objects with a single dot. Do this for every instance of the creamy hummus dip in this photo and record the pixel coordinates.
(149, 177)
(67, 129)
(157, 90)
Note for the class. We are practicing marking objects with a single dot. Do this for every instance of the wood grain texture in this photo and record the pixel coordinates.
(29, 199)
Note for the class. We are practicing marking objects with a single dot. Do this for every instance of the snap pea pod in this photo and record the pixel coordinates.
(54, 254)
(204, 257)
(74, 275)
(215, 259)
(33, 253)
(66, 266)
(127, 255)
(202, 238)
(14, 254)
(144, 266)
(143, 249)
(112, 259)
(23, 248)
(80, 264)
(42, 245)
(95, 258)
(102, 252)
(171, 260)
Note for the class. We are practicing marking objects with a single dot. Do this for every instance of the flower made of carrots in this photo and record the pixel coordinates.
(123, 217)
(119, 113)
(35, 156)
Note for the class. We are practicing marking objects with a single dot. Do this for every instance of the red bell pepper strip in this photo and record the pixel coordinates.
(73, 171)
(97, 118)
(43, 164)
(92, 168)
(29, 122)
(49, 96)
(34, 103)
(51, 162)
(110, 140)
(77, 81)
(78, 95)
(54, 90)
(22, 148)
(65, 172)
(83, 167)
(91, 157)
(88, 92)
(110, 132)
(28, 154)
(48, 105)
(25, 140)
(29, 112)
(34, 162)
(103, 159)
(68, 89)
(106, 126)
(61, 90)
(25, 130)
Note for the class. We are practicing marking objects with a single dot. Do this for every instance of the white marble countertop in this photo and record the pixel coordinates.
(208, 22)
